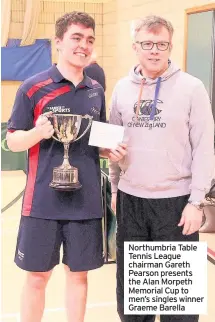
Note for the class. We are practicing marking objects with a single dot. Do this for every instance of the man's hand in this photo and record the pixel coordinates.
(44, 127)
(115, 155)
(119, 153)
(191, 219)
(113, 201)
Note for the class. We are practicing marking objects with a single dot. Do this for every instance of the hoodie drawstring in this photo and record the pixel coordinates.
(139, 97)
(154, 105)
(157, 89)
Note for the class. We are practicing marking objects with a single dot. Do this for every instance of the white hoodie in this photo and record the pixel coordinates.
(170, 136)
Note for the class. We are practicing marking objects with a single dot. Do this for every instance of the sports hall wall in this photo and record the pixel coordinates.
(44, 14)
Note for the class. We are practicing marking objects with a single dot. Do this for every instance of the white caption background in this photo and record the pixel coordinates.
(165, 278)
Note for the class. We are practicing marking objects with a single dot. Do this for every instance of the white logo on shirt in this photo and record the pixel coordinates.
(20, 255)
(93, 94)
(94, 110)
(58, 109)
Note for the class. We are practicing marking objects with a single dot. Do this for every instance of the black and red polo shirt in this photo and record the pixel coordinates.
(50, 91)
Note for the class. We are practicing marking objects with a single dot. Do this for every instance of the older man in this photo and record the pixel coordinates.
(158, 188)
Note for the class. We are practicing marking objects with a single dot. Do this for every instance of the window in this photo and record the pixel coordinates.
(200, 47)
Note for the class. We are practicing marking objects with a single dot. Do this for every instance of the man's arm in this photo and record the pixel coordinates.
(114, 155)
(22, 134)
(19, 140)
(115, 118)
(22, 140)
(202, 142)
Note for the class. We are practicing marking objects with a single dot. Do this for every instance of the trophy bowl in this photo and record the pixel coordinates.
(66, 130)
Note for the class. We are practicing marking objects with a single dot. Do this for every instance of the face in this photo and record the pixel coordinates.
(76, 46)
(153, 61)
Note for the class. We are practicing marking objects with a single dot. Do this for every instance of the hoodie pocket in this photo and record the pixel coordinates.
(150, 169)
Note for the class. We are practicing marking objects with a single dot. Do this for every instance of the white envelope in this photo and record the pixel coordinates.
(106, 135)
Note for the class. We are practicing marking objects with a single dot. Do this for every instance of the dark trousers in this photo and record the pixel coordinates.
(140, 219)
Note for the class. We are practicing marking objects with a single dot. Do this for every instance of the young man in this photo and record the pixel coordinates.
(94, 71)
(169, 129)
(49, 217)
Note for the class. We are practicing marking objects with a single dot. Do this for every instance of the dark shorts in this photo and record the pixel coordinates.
(39, 242)
(141, 219)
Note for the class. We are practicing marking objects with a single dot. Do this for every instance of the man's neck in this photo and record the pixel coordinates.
(70, 72)
(93, 62)
(152, 75)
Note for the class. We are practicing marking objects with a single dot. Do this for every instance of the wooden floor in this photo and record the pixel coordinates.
(101, 306)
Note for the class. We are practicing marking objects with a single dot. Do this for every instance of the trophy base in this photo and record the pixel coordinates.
(65, 179)
(65, 187)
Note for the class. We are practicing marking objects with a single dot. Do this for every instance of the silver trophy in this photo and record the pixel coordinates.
(66, 127)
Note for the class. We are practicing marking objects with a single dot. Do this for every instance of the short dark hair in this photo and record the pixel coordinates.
(73, 18)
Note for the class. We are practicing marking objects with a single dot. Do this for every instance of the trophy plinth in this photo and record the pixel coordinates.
(67, 126)
(65, 179)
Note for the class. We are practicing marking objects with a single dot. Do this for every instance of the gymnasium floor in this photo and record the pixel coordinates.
(101, 306)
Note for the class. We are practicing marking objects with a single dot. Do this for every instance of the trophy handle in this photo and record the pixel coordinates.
(90, 118)
(54, 137)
